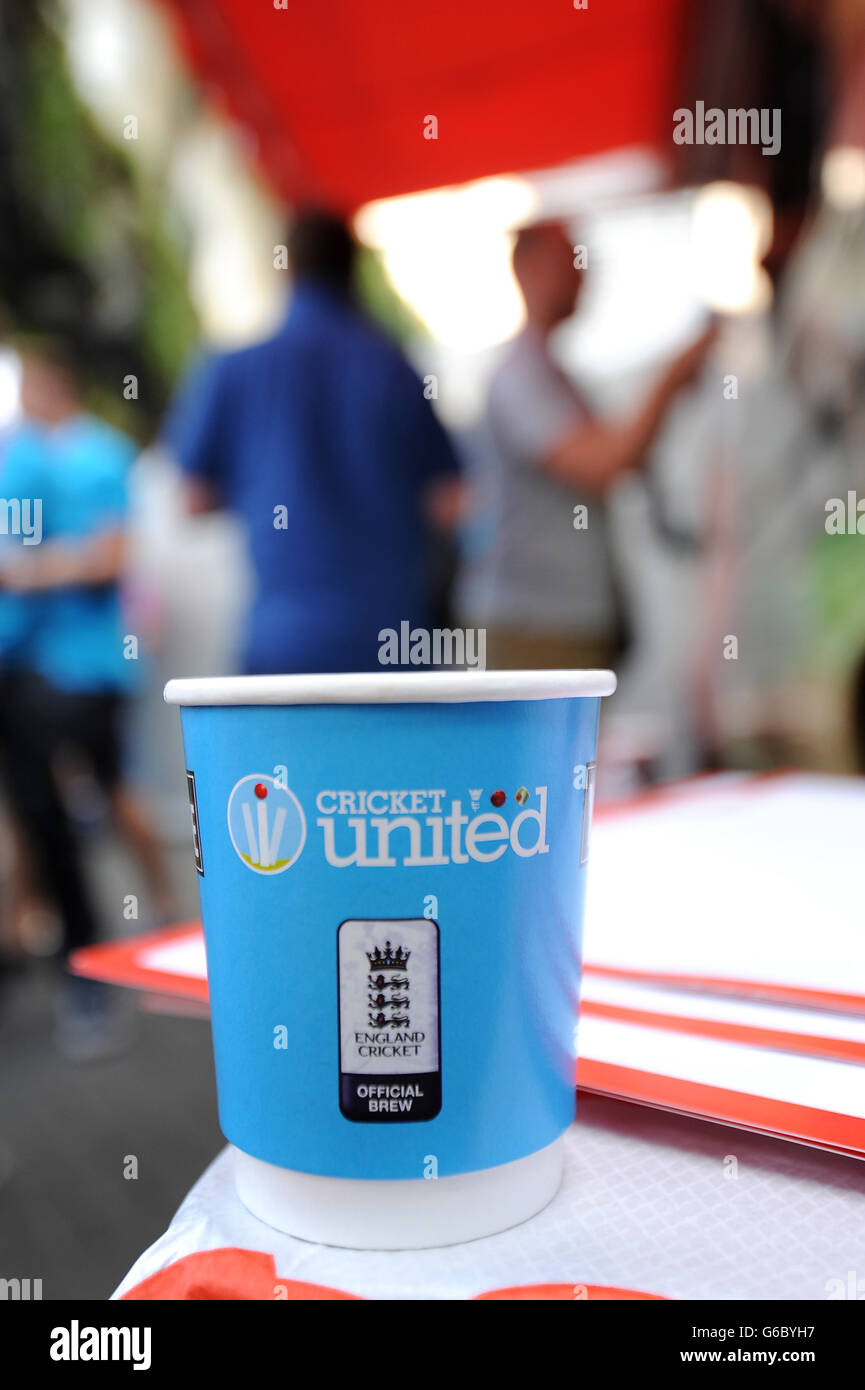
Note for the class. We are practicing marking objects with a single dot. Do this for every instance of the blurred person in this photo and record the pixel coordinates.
(321, 442)
(44, 859)
(24, 768)
(76, 680)
(544, 585)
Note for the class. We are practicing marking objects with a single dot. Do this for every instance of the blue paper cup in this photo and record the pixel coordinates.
(392, 873)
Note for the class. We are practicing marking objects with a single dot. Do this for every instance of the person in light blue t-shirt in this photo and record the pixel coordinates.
(23, 483)
(76, 653)
(35, 820)
(79, 643)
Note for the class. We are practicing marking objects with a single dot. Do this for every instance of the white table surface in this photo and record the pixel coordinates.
(646, 1204)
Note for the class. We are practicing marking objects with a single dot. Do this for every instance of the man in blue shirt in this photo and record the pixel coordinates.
(322, 442)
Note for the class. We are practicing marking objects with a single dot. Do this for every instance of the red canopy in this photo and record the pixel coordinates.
(337, 91)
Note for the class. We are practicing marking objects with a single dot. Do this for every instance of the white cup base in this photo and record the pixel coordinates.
(399, 1214)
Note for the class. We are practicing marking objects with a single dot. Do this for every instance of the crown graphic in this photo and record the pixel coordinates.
(388, 959)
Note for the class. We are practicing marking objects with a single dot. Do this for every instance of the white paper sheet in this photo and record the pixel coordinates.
(757, 881)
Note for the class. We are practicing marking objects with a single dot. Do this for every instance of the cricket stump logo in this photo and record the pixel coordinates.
(266, 824)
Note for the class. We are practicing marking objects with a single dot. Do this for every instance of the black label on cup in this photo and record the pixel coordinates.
(389, 1025)
(193, 807)
(588, 810)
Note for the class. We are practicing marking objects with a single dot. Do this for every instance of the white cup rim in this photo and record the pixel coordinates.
(389, 688)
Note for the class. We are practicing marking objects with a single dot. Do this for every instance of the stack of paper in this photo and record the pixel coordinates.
(725, 956)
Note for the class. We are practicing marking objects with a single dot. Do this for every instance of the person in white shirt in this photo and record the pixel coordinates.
(545, 588)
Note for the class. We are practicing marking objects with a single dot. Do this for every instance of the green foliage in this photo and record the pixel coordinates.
(838, 570)
(91, 204)
(381, 301)
(169, 324)
(67, 168)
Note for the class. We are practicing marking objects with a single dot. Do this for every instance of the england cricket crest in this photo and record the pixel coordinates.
(389, 1030)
